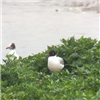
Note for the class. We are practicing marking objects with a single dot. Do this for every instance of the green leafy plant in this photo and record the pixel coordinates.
(30, 79)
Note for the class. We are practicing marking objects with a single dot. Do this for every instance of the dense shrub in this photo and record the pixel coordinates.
(29, 78)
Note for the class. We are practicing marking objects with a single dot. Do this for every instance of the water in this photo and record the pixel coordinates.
(32, 26)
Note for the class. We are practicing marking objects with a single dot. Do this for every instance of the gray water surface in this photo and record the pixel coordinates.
(33, 26)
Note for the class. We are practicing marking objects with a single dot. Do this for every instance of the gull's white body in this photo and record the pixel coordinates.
(55, 63)
(13, 52)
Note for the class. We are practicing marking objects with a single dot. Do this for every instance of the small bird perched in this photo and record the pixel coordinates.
(12, 48)
(55, 64)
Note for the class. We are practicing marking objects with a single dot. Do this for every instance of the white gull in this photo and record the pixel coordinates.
(55, 64)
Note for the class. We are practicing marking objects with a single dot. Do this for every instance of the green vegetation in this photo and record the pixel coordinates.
(30, 79)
